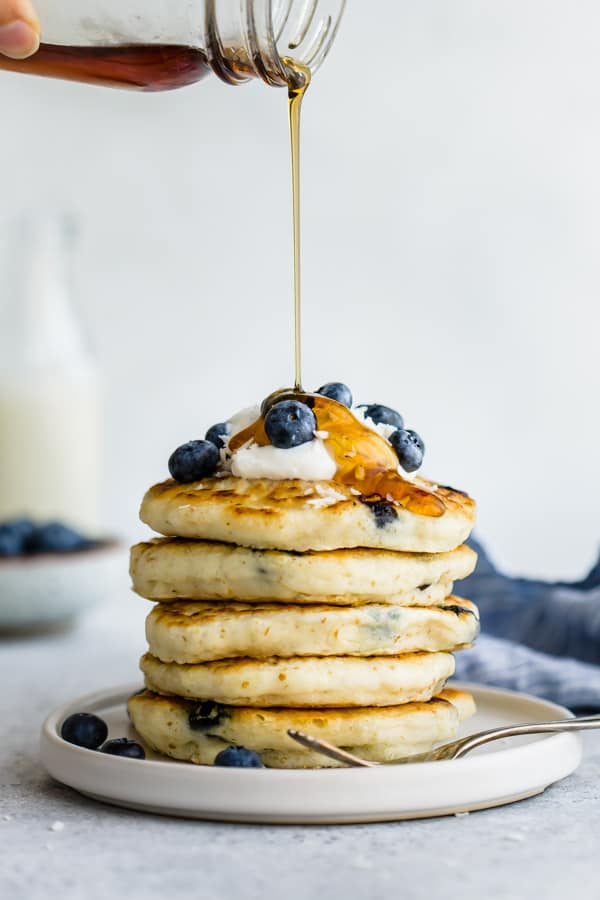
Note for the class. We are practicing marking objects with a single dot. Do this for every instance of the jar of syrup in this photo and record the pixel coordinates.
(158, 45)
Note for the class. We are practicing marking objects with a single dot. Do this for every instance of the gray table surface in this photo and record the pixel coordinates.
(544, 846)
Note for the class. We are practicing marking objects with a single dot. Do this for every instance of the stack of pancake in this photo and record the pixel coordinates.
(300, 604)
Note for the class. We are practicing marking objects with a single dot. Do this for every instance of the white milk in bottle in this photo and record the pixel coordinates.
(49, 390)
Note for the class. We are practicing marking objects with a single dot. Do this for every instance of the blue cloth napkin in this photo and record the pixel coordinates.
(537, 636)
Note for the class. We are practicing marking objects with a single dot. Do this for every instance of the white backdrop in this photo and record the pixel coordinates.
(451, 230)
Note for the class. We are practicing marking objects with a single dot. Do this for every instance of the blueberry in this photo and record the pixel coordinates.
(124, 747)
(205, 716)
(383, 415)
(216, 434)
(289, 424)
(55, 538)
(14, 535)
(239, 758)
(22, 527)
(193, 461)
(384, 511)
(84, 730)
(410, 449)
(11, 543)
(335, 390)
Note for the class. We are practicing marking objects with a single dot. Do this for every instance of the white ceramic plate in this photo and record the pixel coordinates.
(500, 773)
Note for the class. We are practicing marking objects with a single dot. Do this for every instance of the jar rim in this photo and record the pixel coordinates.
(271, 31)
(316, 35)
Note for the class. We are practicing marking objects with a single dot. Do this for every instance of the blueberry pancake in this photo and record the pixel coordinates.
(197, 732)
(304, 578)
(304, 681)
(187, 632)
(167, 569)
(299, 515)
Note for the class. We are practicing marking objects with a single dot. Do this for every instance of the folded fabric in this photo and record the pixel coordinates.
(539, 637)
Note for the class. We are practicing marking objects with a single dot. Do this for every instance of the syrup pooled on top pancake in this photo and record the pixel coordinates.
(365, 460)
(307, 472)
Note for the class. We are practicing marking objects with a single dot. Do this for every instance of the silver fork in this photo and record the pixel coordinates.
(455, 749)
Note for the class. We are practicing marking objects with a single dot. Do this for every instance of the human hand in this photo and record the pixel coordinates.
(19, 29)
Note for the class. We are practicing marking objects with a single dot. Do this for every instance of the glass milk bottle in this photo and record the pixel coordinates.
(156, 45)
(49, 390)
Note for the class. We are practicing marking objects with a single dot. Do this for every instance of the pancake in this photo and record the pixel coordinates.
(308, 681)
(197, 732)
(167, 569)
(303, 515)
(187, 632)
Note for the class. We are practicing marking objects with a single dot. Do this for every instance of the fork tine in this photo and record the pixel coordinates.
(446, 751)
(455, 749)
(329, 750)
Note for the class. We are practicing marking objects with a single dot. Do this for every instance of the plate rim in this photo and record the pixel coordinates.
(50, 737)
(311, 796)
(120, 693)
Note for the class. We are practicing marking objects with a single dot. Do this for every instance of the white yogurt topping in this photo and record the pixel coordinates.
(310, 462)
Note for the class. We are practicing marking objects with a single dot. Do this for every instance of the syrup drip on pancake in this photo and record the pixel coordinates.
(365, 460)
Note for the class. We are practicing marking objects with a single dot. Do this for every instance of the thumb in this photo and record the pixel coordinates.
(19, 29)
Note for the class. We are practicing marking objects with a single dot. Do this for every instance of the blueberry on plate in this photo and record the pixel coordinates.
(239, 758)
(84, 730)
(55, 537)
(409, 448)
(335, 390)
(289, 424)
(382, 415)
(194, 460)
(217, 432)
(124, 747)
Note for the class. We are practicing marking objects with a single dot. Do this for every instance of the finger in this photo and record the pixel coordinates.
(19, 29)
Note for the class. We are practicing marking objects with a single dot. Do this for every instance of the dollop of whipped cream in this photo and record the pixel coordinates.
(309, 462)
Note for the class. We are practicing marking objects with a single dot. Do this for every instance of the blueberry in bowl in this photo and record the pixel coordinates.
(50, 572)
(56, 537)
(14, 535)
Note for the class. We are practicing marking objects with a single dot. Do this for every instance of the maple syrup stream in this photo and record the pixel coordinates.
(298, 82)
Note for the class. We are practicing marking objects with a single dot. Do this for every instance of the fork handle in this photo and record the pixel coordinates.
(581, 723)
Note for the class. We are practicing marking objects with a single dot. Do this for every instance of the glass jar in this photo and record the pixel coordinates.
(50, 393)
(158, 45)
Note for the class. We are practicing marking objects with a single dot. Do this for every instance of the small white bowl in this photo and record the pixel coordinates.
(49, 589)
